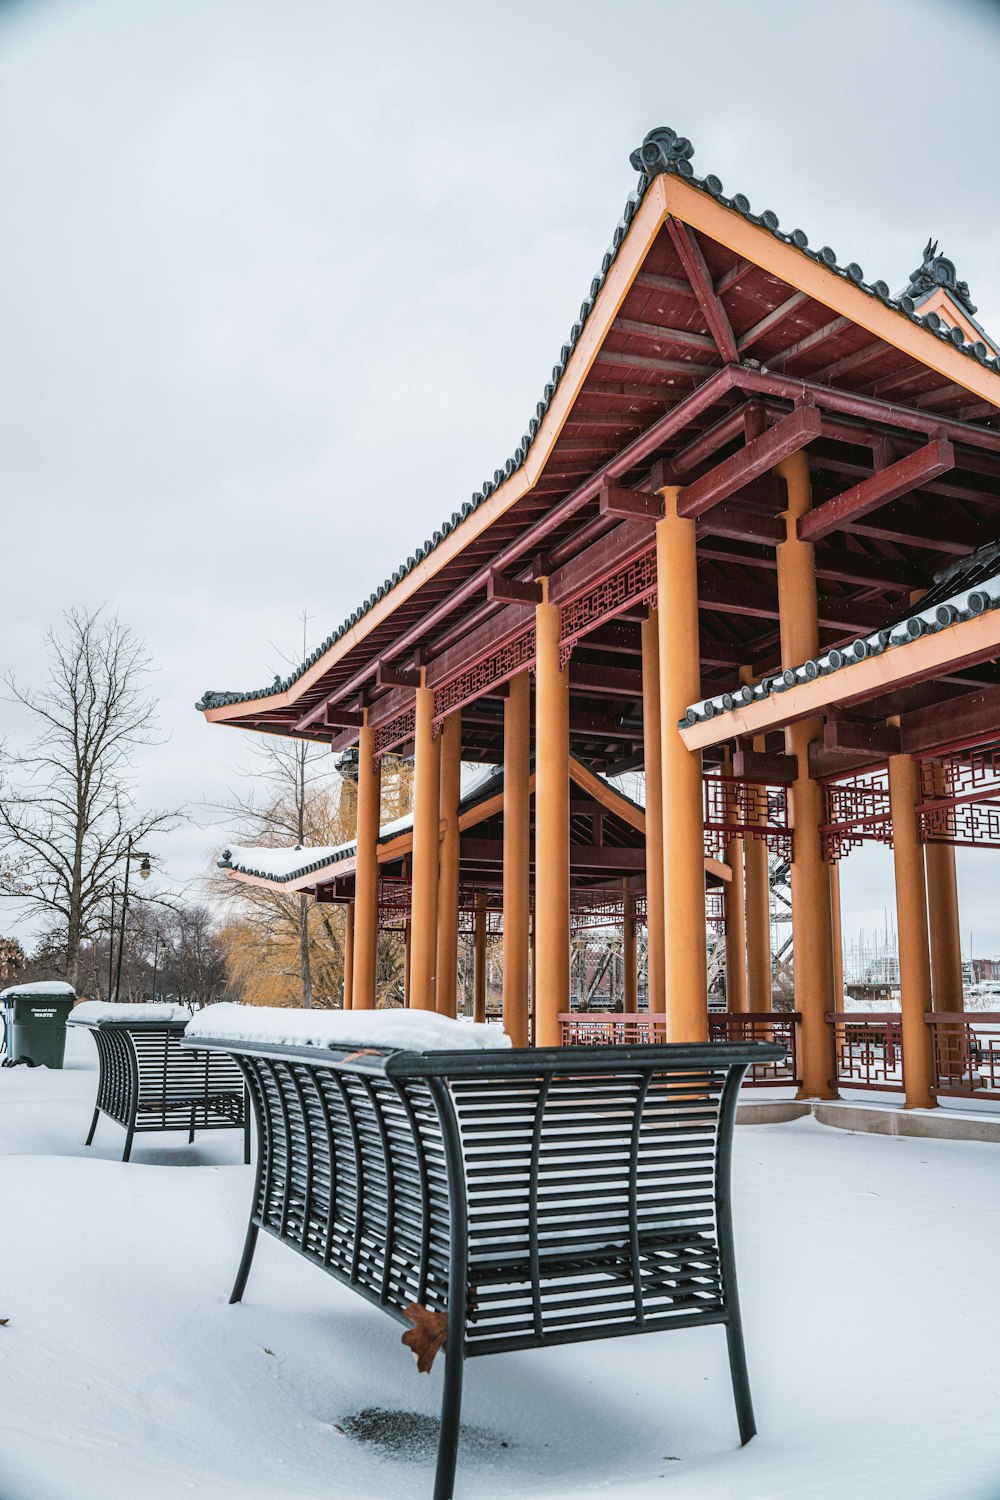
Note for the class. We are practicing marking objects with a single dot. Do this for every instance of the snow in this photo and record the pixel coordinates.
(285, 864)
(94, 1012)
(867, 1265)
(412, 1030)
(40, 987)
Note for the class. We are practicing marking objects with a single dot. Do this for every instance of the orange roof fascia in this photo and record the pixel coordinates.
(965, 642)
(753, 242)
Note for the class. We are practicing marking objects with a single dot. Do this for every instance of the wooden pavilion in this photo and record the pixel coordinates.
(745, 546)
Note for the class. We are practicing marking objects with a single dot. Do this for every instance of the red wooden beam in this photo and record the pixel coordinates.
(512, 590)
(631, 504)
(773, 320)
(850, 735)
(865, 408)
(650, 281)
(758, 457)
(891, 483)
(697, 272)
(654, 362)
(957, 721)
(387, 676)
(686, 337)
(810, 341)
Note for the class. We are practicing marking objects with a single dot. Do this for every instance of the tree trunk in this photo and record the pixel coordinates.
(307, 989)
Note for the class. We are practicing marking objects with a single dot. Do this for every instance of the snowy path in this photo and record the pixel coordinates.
(868, 1270)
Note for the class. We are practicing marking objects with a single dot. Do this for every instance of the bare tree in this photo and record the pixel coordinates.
(295, 799)
(66, 802)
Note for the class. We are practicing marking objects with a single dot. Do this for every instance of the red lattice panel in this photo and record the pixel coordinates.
(394, 732)
(960, 798)
(868, 1050)
(635, 583)
(715, 907)
(966, 1053)
(602, 906)
(737, 808)
(502, 663)
(855, 812)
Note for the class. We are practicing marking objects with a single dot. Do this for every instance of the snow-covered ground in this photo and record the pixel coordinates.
(868, 1273)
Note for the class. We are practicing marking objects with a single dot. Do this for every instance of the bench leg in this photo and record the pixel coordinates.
(451, 1419)
(128, 1141)
(246, 1134)
(250, 1244)
(93, 1127)
(741, 1379)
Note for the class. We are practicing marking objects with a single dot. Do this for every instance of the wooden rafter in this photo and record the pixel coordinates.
(698, 274)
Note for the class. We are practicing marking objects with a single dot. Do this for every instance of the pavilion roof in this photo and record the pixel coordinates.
(638, 340)
(283, 866)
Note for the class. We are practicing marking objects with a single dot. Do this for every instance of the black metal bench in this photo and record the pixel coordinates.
(502, 1200)
(148, 1082)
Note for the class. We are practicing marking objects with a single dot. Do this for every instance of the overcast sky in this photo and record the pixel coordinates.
(282, 282)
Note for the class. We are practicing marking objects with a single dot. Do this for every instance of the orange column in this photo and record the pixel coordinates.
(348, 955)
(652, 762)
(836, 938)
(407, 933)
(911, 921)
(516, 856)
(426, 827)
(630, 953)
(366, 872)
(448, 869)
(947, 987)
(735, 913)
(479, 959)
(756, 880)
(812, 945)
(551, 826)
(685, 952)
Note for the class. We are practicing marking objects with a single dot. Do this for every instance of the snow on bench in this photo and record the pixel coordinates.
(102, 1012)
(282, 1026)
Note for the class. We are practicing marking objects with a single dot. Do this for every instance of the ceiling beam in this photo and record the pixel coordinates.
(773, 320)
(757, 457)
(655, 363)
(890, 483)
(698, 274)
(687, 337)
(958, 721)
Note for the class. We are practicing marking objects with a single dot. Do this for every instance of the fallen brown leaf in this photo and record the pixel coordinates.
(4, 1322)
(365, 1052)
(425, 1338)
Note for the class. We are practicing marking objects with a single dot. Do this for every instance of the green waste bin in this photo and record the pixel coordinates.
(35, 1020)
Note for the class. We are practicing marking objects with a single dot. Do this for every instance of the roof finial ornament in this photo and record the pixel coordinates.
(663, 150)
(937, 271)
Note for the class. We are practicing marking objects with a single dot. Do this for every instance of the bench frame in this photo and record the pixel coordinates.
(142, 1066)
(387, 1169)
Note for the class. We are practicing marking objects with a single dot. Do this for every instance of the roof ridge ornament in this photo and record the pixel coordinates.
(663, 150)
(938, 271)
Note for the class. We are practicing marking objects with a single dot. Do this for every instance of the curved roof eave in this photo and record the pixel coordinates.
(667, 186)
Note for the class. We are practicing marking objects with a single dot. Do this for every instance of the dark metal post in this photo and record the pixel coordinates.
(111, 946)
(121, 940)
(156, 959)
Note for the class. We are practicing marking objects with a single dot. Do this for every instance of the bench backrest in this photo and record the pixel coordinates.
(574, 1193)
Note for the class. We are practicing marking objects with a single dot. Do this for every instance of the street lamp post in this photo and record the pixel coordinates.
(156, 960)
(144, 870)
(111, 946)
